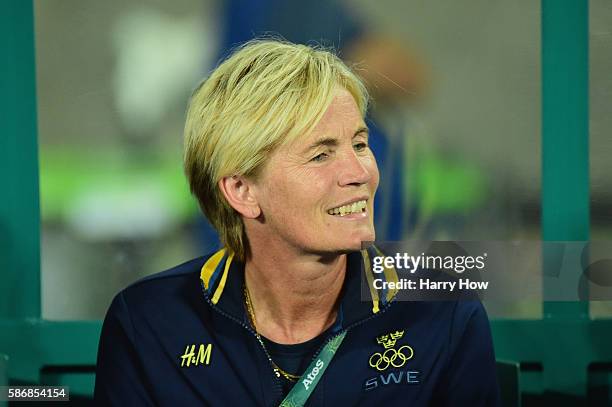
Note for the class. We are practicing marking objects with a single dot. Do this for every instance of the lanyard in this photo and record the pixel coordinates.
(305, 386)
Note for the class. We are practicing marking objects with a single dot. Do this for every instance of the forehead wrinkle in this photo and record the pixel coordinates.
(341, 112)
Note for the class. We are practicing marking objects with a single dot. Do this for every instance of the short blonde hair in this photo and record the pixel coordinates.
(267, 93)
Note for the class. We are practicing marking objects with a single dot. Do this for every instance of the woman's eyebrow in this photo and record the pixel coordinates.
(360, 130)
(331, 141)
(326, 141)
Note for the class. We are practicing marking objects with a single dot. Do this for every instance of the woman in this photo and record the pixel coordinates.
(276, 152)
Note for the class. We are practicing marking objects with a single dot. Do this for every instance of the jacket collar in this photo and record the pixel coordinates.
(222, 279)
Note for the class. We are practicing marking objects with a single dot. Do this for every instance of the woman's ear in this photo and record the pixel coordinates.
(238, 191)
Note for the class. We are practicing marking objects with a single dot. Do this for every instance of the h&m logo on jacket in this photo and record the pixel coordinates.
(189, 357)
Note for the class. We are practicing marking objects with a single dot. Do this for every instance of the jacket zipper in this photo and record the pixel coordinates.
(278, 387)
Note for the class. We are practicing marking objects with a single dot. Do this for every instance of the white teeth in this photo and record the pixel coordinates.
(355, 207)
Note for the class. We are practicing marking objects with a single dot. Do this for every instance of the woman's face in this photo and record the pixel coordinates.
(316, 194)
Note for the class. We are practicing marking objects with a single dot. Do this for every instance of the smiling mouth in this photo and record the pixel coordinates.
(355, 207)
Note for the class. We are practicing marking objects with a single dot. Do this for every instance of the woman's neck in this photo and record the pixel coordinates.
(294, 298)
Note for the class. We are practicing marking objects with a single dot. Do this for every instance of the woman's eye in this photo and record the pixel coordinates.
(320, 157)
(360, 146)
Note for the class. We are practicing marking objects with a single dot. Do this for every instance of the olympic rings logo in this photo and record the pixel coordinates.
(391, 357)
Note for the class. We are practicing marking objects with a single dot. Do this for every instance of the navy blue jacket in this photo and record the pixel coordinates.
(182, 337)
